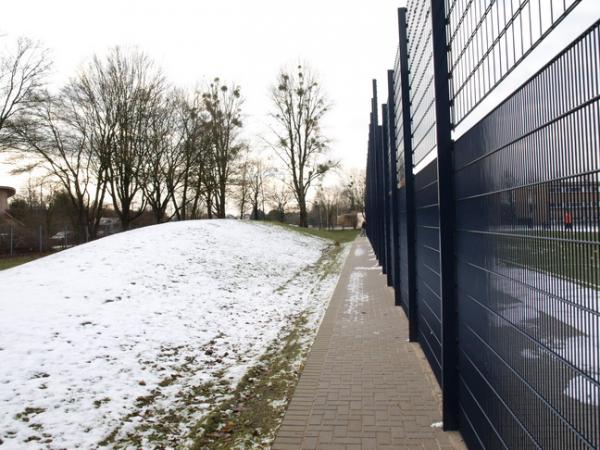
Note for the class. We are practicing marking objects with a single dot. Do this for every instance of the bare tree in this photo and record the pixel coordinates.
(125, 90)
(299, 107)
(328, 200)
(191, 182)
(23, 72)
(161, 158)
(56, 136)
(258, 172)
(354, 190)
(280, 196)
(222, 104)
(242, 183)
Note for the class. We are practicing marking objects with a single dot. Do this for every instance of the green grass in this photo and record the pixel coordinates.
(569, 255)
(7, 263)
(341, 236)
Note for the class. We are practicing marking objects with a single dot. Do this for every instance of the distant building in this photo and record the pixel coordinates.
(5, 193)
(580, 198)
(546, 204)
(108, 226)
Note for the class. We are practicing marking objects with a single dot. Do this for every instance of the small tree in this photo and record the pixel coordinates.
(242, 183)
(280, 196)
(299, 107)
(354, 191)
(257, 176)
(327, 200)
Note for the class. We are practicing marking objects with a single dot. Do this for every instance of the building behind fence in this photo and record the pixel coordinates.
(491, 240)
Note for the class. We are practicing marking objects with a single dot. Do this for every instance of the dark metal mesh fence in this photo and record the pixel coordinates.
(524, 238)
(526, 184)
(420, 56)
(429, 308)
(488, 39)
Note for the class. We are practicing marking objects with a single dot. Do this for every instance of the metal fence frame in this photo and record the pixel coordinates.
(460, 240)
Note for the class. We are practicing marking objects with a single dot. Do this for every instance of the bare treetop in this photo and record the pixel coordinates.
(299, 106)
(23, 71)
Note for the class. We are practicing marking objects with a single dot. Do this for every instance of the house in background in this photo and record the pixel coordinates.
(108, 226)
(5, 193)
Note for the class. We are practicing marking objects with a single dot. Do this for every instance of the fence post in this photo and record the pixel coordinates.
(387, 185)
(393, 194)
(409, 178)
(450, 381)
(376, 134)
(12, 233)
(40, 237)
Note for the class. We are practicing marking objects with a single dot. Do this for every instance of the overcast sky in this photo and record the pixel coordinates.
(348, 42)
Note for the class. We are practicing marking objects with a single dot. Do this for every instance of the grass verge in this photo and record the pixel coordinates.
(251, 417)
(7, 263)
(341, 236)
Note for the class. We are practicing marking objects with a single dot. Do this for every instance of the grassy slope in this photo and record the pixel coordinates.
(7, 263)
(252, 414)
(248, 415)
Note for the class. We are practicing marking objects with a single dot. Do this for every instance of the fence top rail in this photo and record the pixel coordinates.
(489, 40)
(536, 75)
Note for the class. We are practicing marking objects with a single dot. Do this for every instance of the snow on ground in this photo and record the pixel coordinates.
(89, 333)
(356, 295)
(570, 304)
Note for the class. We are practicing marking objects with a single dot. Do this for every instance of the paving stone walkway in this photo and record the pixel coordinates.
(364, 386)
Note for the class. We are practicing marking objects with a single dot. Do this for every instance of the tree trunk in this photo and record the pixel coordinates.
(303, 213)
(158, 216)
(124, 217)
(221, 205)
(209, 205)
(82, 226)
(255, 206)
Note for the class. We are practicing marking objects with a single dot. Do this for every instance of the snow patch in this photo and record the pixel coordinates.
(582, 349)
(582, 389)
(356, 295)
(90, 332)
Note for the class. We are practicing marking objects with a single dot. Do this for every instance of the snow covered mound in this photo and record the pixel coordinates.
(88, 332)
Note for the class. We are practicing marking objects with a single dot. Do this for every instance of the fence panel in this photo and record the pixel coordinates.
(507, 230)
(18, 239)
(420, 56)
(429, 306)
(528, 282)
(386, 183)
(487, 40)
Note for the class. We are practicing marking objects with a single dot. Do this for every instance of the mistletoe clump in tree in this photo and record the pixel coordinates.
(299, 106)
